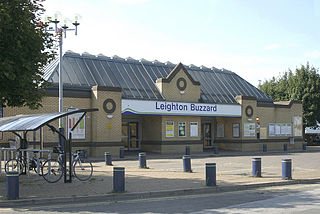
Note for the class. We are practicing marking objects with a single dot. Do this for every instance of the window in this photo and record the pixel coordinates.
(280, 129)
(194, 129)
(236, 130)
(182, 129)
(169, 129)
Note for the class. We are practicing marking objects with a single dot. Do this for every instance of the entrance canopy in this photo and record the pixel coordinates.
(34, 121)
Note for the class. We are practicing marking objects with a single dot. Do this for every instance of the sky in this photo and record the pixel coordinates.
(256, 39)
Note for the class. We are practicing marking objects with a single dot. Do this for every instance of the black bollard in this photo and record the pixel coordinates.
(118, 179)
(286, 169)
(107, 158)
(186, 163)
(143, 160)
(121, 153)
(285, 147)
(265, 148)
(216, 150)
(256, 167)
(211, 174)
(304, 146)
(12, 185)
(187, 150)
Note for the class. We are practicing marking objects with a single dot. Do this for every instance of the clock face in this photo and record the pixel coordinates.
(249, 111)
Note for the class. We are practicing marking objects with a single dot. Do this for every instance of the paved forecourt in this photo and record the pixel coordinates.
(164, 173)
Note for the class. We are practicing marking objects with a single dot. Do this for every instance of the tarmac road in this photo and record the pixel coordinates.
(281, 199)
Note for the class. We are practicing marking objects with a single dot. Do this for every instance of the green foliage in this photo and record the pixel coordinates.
(303, 84)
(25, 48)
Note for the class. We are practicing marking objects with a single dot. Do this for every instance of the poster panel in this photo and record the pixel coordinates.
(193, 129)
(220, 130)
(80, 131)
(236, 129)
(297, 125)
(169, 129)
(249, 129)
(280, 129)
(272, 131)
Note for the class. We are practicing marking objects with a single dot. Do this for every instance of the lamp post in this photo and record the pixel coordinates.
(61, 32)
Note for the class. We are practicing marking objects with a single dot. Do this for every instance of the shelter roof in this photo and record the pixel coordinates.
(33, 122)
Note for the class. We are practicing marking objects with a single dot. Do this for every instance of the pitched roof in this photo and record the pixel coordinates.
(137, 78)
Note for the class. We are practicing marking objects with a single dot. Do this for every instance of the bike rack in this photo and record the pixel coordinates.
(25, 123)
(9, 153)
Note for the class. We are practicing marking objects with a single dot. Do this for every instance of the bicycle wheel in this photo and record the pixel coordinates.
(35, 167)
(82, 170)
(13, 165)
(52, 171)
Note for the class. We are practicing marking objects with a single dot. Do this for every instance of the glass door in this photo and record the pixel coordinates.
(130, 135)
(134, 143)
(207, 135)
(125, 135)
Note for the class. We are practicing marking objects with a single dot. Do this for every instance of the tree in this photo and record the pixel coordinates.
(25, 48)
(303, 84)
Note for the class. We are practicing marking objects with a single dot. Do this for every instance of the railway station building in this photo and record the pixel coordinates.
(162, 107)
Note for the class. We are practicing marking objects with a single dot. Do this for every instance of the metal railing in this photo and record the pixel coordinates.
(11, 153)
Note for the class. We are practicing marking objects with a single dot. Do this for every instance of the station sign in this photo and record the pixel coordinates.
(147, 107)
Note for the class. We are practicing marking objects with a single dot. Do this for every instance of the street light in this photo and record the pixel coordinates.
(62, 30)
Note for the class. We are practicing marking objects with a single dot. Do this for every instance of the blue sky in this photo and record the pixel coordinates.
(257, 39)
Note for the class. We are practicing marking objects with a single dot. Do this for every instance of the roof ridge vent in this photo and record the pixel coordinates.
(169, 63)
(202, 67)
(101, 56)
(86, 54)
(192, 66)
(130, 59)
(226, 70)
(156, 62)
(144, 60)
(71, 53)
(116, 57)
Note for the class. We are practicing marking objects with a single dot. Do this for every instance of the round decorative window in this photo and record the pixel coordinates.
(181, 84)
(249, 111)
(109, 106)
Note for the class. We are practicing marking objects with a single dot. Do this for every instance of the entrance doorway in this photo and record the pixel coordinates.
(207, 136)
(130, 135)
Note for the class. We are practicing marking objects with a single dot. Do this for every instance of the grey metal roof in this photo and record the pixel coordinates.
(34, 121)
(137, 77)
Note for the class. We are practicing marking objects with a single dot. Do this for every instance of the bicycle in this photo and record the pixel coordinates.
(53, 168)
(20, 163)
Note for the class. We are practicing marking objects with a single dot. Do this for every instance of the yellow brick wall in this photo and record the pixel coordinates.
(151, 128)
(172, 93)
(269, 115)
(227, 121)
(246, 119)
(106, 129)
